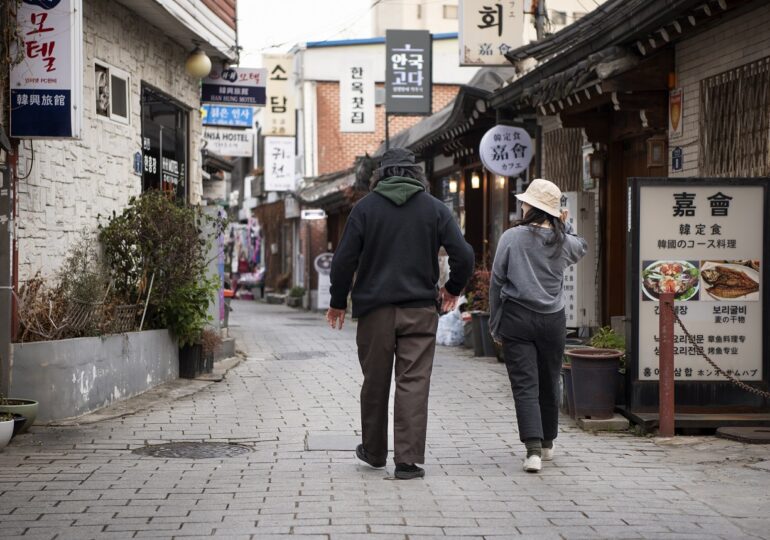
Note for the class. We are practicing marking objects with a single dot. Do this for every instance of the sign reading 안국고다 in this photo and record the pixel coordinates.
(408, 75)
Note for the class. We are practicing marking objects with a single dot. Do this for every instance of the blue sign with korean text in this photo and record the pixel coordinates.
(229, 116)
(677, 159)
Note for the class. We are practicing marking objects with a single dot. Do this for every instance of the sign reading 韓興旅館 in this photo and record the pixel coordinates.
(235, 85)
(227, 116)
(704, 241)
(46, 87)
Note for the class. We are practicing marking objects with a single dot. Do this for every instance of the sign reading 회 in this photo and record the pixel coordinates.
(488, 30)
(227, 116)
(357, 98)
(236, 85)
(408, 74)
(47, 85)
(506, 150)
(279, 164)
(704, 242)
(229, 142)
(279, 111)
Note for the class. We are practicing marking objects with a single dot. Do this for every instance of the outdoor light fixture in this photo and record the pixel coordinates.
(501, 182)
(475, 181)
(198, 64)
(453, 186)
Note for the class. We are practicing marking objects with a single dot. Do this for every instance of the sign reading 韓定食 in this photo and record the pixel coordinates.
(506, 150)
(704, 242)
(488, 30)
(47, 85)
(279, 164)
(357, 98)
(408, 73)
(279, 110)
(234, 85)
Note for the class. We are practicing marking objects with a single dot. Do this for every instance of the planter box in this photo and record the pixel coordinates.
(71, 377)
(193, 362)
(294, 301)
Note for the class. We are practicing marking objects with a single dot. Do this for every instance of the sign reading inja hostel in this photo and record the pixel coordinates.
(279, 110)
(357, 98)
(488, 30)
(47, 86)
(506, 150)
(703, 241)
(229, 142)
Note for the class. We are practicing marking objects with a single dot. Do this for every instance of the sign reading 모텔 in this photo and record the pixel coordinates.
(488, 30)
(357, 98)
(279, 164)
(229, 142)
(47, 85)
(236, 85)
(408, 72)
(703, 241)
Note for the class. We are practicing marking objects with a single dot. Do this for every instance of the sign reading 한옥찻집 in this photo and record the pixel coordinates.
(703, 242)
(357, 98)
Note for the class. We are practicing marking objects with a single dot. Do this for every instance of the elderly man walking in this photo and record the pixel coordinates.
(391, 244)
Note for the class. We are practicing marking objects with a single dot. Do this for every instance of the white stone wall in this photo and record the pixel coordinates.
(71, 182)
(724, 47)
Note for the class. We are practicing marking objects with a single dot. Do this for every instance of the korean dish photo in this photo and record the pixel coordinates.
(731, 280)
(678, 277)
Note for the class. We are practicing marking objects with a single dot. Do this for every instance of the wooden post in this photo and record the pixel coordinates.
(666, 358)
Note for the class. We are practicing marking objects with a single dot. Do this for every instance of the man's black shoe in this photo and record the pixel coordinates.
(367, 459)
(405, 471)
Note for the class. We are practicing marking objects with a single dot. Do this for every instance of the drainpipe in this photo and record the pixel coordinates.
(7, 259)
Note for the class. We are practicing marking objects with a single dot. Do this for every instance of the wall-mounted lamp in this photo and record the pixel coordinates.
(453, 186)
(198, 63)
(501, 182)
(475, 181)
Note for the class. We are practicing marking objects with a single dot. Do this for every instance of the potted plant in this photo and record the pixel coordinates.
(211, 340)
(6, 429)
(478, 306)
(595, 374)
(20, 408)
(294, 298)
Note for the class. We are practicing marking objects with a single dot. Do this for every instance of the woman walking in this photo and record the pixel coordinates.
(527, 312)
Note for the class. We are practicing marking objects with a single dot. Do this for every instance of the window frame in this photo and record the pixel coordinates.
(121, 74)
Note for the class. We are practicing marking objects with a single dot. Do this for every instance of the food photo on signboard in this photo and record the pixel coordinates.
(678, 277)
(737, 280)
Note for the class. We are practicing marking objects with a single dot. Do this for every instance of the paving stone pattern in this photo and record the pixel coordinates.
(84, 481)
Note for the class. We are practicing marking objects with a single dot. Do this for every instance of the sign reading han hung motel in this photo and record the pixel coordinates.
(703, 240)
(235, 85)
(47, 85)
(408, 77)
(488, 30)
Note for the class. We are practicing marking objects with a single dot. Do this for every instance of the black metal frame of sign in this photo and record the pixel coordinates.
(695, 396)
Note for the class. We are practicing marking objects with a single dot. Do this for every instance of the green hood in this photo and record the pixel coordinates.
(399, 189)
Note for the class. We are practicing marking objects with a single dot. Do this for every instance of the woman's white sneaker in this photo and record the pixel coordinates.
(547, 454)
(533, 464)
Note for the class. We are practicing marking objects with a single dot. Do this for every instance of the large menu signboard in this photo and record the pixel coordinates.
(702, 240)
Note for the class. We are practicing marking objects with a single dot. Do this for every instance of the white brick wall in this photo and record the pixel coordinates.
(727, 46)
(71, 182)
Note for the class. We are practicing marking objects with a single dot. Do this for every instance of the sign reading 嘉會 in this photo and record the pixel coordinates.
(236, 85)
(703, 241)
(408, 72)
(488, 30)
(279, 110)
(47, 85)
(506, 150)
(279, 164)
(357, 98)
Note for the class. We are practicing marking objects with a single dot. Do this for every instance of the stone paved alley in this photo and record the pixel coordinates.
(83, 481)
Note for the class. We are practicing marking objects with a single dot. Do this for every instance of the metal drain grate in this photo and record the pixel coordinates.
(300, 355)
(193, 450)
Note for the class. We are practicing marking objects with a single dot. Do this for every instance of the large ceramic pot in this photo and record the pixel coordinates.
(24, 407)
(483, 345)
(6, 432)
(594, 381)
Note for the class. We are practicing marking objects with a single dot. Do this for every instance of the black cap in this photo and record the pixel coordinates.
(397, 157)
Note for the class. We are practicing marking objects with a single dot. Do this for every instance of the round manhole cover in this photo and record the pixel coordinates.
(192, 450)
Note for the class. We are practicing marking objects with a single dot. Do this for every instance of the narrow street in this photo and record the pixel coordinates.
(293, 404)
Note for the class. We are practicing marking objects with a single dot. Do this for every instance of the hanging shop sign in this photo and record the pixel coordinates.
(229, 142)
(675, 113)
(236, 85)
(279, 111)
(489, 30)
(279, 164)
(227, 116)
(408, 77)
(506, 150)
(47, 85)
(704, 241)
(357, 98)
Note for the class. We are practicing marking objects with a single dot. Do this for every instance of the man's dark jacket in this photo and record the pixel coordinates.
(391, 243)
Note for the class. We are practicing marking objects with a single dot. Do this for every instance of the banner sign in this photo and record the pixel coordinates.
(227, 116)
(357, 98)
(240, 86)
(279, 164)
(704, 241)
(506, 150)
(279, 113)
(323, 265)
(229, 142)
(408, 77)
(675, 113)
(489, 30)
(47, 86)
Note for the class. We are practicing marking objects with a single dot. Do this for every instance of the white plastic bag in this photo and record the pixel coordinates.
(450, 327)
